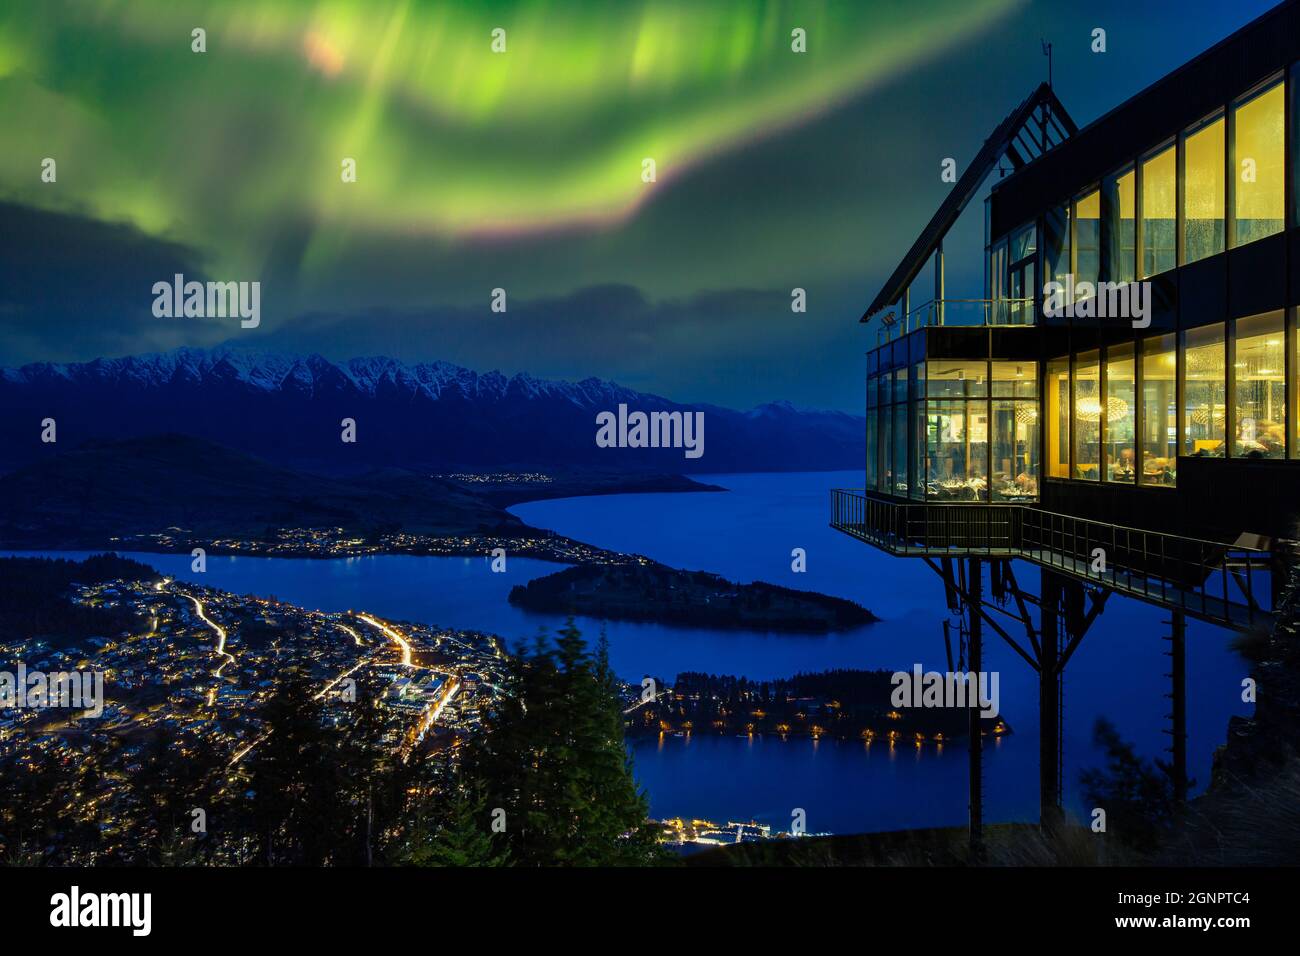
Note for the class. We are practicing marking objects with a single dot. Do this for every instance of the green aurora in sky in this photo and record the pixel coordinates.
(224, 151)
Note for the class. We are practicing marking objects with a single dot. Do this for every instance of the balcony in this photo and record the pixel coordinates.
(963, 313)
(1216, 582)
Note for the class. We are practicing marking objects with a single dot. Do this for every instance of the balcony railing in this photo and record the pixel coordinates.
(963, 312)
(1217, 582)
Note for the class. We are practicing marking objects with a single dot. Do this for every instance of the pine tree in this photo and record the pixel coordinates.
(298, 813)
(458, 833)
(552, 757)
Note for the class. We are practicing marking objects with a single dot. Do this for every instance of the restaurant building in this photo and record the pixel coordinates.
(1121, 404)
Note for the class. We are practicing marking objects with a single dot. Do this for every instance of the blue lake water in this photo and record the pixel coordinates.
(747, 533)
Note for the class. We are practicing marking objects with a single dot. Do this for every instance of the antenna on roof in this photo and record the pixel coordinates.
(1047, 52)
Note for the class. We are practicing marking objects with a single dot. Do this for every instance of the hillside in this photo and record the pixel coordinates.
(85, 497)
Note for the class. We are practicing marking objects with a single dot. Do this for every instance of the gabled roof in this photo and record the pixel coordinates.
(1031, 129)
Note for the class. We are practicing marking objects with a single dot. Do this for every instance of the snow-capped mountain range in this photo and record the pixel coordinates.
(431, 415)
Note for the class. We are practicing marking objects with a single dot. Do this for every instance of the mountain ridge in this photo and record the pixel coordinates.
(288, 408)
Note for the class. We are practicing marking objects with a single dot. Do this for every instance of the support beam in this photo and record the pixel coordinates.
(1077, 629)
(976, 607)
(938, 282)
(975, 665)
(1024, 611)
(1049, 700)
(1178, 675)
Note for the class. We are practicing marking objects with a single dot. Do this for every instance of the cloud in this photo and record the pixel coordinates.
(733, 347)
(72, 287)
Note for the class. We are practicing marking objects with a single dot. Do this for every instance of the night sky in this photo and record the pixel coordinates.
(523, 170)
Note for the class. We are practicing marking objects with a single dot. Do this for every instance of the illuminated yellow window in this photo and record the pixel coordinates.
(957, 379)
(957, 452)
(1259, 164)
(1058, 418)
(1118, 414)
(1085, 421)
(1159, 413)
(1015, 379)
(1203, 192)
(1120, 210)
(1259, 387)
(1087, 238)
(1159, 221)
(1204, 371)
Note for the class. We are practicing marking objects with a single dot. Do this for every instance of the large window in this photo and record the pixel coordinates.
(898, 451)
(1203, 191)
(1118, 209)
(1159, 219)
(1087, 238)
(916, 412)
(957, 450)
(1294, 348)
(1057, 416)
(1118, 414)
(997, 279)
(917, 464)
(1021, 286)
(1015, 450)
(873, 437)
(1259, 165)
(1295, 145)
(1259, 387)
(1204, 388)
(884, 479)
(1159, 412)
(1015, 431)
(1015, 379)
(1056, 249)
(1085, 423)
(957, 379)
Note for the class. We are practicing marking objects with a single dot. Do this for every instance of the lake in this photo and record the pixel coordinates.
(747, 533)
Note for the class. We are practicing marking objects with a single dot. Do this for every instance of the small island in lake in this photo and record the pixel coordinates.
(645, 590)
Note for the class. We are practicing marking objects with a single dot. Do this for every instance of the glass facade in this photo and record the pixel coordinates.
(1118, 414)
(1021, 279)
(1087, 239)
(1159, 215)
(1056, 247)
(959, 429)
(1204, 376)
(1159, 412)
(1086, 413)
(954, 431)
(1259, 387)
(1015, 450)
(973, 430)
(957, 450)
(1058, 418)
(1203, 191)
(957, 379)
(1259, 165)
(1119, 210)
(1295, 146)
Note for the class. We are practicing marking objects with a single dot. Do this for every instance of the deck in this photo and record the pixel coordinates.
(1224, 584)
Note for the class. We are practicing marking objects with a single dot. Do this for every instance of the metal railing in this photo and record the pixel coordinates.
(1208, 579)
(963, 313)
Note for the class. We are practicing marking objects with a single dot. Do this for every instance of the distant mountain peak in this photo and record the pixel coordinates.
(438, 415)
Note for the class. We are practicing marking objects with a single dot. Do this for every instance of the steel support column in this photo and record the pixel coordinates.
(1049, 702)
(1178, 693)
(974, 665)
